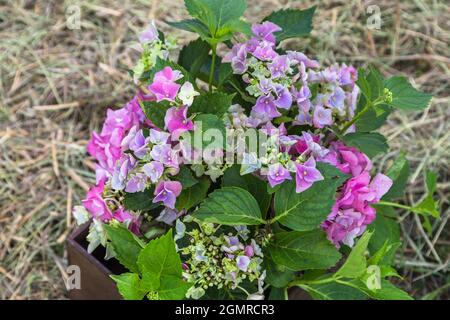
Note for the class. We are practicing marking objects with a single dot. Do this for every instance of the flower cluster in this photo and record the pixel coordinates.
(279, 81)
(352, 211)
(151, 48)
(215, 259)
(237, 162)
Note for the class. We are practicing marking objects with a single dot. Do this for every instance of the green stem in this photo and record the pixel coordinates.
(367, 107)
(242, 94)
(356, 118)
(213, 65)
(298, 282)
(396, 205)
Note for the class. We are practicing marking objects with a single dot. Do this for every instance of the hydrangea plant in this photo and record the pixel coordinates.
(242, 169)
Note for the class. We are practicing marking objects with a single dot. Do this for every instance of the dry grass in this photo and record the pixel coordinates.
(55, 84)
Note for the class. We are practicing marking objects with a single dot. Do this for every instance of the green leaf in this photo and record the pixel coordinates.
(186, 178)
(384, 229)
(277, 276)
(155, 111)
(192, 196)
(363, 85)
(379, 257)
(376, 82)
(295, 23)
(140, 201)
(209, 128)
(192, 25)
(173, 288)
(158, 258)
(356, 263)
(254, 185)
(125, 244)
(405, 96)
(370, 143)
(398, 172)
(128, 285)
(303, 250)
(215, 103)
(193, 56)
(334, 291)
(278, 294)
(216, 13)
(387, 292)
(230, 206)
(374, 118)
(308, 209)
(428, 206)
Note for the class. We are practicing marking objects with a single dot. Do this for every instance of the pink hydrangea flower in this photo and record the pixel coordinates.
(95, 204)
(352, 211)
(133, 221)
(164, 86)
(177, 122)
(167, 192)
(306, 175)
(347, 159)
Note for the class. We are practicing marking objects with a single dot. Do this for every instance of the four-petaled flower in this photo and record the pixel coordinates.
(306, 175)
(167, 192)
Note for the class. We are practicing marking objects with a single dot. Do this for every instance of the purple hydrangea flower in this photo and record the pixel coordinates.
(302, 97)
(336, 99)
(168, 215)
(316, 149)
(121, 172)
(165, 155)
(136, 142)
(306, 175)
(158, 137)
(264, 51)
(266, 86)
(167, 192)
(322, 117)
(238, 58)
(299, 57)
(277, 174)
(177, 122)
(136, 183)
(265, 31)
(150, 34)
(153, 170)
(279, 66)
(284, 97)
(266, 105)
(242, 263)
(347, 75)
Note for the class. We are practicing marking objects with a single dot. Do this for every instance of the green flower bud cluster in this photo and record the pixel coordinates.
(387, 95)
(151, 52)
(215, 259)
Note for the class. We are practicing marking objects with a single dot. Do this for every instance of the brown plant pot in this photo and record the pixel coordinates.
(95, 270)
(96, 283)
